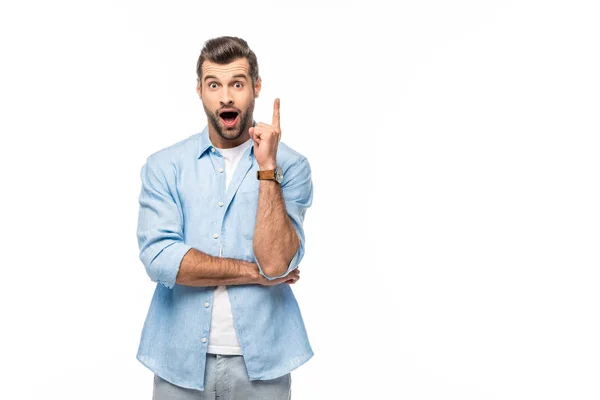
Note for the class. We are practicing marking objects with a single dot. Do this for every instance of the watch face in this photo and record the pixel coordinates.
(278, 174)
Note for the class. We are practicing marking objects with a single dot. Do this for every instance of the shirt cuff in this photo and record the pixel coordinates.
(169, 261)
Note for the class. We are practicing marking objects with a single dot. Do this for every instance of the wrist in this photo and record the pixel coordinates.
(254, 275)
(267, 166)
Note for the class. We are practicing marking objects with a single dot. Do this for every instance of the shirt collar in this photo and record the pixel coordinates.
(204, 143)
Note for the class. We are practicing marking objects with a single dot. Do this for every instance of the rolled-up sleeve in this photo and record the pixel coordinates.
(297, 190)
(160, 226)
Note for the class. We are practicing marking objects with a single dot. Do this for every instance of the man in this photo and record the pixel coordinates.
(220, 231)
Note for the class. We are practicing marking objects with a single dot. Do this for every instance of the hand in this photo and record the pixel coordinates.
(290, 279)
(266, 140)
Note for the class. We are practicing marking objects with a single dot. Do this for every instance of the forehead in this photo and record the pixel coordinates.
(223, 71)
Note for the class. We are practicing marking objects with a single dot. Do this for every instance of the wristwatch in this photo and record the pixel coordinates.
(271, 174)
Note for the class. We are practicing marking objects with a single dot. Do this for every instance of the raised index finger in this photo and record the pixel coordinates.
(276, 113)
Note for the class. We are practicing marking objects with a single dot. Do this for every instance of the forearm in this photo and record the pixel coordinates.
(200, 269)
(275, 240)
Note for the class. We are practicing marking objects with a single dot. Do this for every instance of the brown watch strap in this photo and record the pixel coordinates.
(268, 174)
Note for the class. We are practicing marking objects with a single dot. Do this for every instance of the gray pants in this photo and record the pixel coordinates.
(226, 378)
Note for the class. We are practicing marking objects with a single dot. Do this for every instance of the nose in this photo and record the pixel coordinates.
(226, 98)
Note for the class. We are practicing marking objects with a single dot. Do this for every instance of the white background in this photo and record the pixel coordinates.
(452, 246)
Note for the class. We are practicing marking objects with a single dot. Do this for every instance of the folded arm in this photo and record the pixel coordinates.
(200, 269)
(167, 259)
(278, 241)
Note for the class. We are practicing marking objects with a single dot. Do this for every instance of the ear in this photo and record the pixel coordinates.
(199, 88)
(257, 87)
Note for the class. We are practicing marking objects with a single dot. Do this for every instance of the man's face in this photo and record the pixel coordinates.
(228, 97)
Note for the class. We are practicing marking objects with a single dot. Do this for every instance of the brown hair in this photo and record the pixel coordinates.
(225, 49)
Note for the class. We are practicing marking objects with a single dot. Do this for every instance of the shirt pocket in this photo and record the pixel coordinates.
(246, 204)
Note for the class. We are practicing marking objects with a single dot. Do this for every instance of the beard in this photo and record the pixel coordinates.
(230, 133)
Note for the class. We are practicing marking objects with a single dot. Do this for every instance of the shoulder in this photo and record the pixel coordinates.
(295, 166)
(290, 158)
(175, 154)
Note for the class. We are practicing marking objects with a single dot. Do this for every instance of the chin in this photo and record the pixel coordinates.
(231, 134)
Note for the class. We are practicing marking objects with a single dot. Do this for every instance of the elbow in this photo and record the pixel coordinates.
(277, 264)
(280, 265)
(273, 267)
(156, 273)
(162, 266)
(152, 268)
(274, 270)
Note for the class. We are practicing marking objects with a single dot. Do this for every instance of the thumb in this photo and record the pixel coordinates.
(251, 132)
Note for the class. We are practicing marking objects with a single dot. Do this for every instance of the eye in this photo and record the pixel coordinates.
(212, 85)
(238, 85)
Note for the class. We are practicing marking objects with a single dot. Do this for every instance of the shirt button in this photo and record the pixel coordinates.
(203, 340)
(206, 304)
(220, 170)
(216, 235)
(213, 149)
(220, 204)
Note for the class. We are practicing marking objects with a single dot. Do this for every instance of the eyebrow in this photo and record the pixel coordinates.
(207, 77)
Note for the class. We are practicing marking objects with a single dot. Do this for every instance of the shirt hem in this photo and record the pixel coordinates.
(281, 372)
(168, 377)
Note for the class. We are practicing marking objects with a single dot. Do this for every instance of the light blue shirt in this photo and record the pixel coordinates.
(184, 204)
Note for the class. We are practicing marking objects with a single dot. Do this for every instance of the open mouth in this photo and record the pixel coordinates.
(229, 118)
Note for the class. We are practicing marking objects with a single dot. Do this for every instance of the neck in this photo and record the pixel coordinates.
(222, 143)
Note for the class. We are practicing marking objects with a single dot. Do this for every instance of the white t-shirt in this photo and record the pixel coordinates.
(223, 338)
